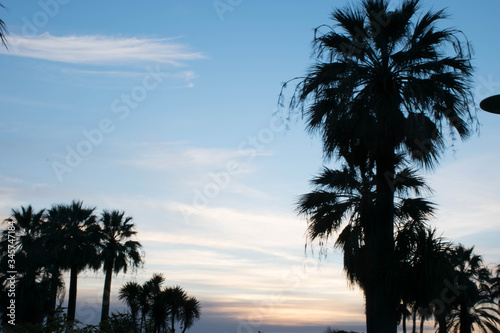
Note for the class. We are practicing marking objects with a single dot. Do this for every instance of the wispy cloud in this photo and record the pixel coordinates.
(101, 50)
(182, 75)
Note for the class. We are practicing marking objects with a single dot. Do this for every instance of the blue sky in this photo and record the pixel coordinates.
(164, 109)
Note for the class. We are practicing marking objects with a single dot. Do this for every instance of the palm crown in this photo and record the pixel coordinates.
(383, 81)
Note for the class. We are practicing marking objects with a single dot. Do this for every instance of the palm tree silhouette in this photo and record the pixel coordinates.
(347, 197)
(118, 252)
(130, 294)
(383, 86)
(160, 308)
(475, 307)
(191, 311)
(151, 300)
(75, 235)
(425, 266)
(26, 242)
(174, 300)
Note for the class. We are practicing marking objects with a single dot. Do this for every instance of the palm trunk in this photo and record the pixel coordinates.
(384, 304)
(404, 320)
(184, 329)
(107, 292)
(422, 320)
(414, 329)
(72, 296)
(133, 314)
(464, 322)
(369, 308)
(368, 285)
(441, 319)
(54, 284)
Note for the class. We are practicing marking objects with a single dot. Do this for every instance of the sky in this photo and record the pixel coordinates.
(168, 110)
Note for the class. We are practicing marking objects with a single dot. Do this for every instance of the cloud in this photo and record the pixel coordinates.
(101, 50)
(175, 155)
(182, 75)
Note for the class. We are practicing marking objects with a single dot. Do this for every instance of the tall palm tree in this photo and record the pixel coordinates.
(384, 86)
(475, 306)
(74, 234)
(130, 294)
(118, 252)
(191, 311)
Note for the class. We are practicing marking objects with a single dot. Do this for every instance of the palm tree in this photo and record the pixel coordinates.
(74, 234)
(191, 311)
(475, 306)
(160, 308)
(347, 196)
(130, 294)
(383, 86)
(26, 245)
(496, 286)
(175, 299)
(426, 266)
(118, 252)
(151, 292)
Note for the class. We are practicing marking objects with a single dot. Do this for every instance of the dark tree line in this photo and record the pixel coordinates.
(65, 238)
(154, 308)
(42, 245)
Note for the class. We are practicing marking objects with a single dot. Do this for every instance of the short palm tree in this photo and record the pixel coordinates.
(191, 311)
(74, 234)
(130, 294)
(426, 265)
(148, 300)
(161, 308)
(385, 85)
(118, 252)
(496, 286)
(475, 308)
(175, 299)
